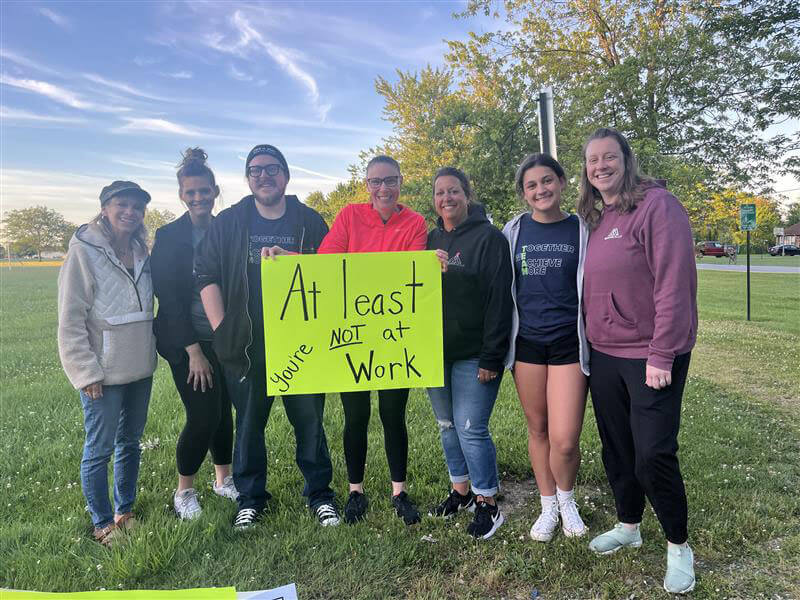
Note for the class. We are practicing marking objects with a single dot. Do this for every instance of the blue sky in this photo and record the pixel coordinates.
(96, 91)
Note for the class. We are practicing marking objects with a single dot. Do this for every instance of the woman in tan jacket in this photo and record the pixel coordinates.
(107, 348)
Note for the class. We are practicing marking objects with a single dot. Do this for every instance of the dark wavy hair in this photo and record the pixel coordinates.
(634, 183)
(536, 160)
(458, 174)
(193, 164)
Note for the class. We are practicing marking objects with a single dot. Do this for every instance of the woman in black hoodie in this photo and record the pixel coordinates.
(476, 292)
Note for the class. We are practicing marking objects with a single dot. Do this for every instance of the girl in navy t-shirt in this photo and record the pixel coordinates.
(548, 349)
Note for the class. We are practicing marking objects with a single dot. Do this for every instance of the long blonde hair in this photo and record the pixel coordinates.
(139, 236)
(634, 183)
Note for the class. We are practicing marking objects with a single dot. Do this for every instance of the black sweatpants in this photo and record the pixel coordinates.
(209, 422)
(639, 431)
(392, 408)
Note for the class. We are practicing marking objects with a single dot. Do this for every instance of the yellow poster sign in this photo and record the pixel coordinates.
(346, 322)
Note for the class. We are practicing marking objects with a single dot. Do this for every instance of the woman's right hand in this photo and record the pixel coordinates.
(94, 390)
(443, 259)
(200, 369)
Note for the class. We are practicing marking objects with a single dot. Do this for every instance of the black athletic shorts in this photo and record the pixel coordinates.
(563, 351)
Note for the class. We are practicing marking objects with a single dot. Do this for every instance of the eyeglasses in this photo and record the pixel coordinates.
(374, 183)
(255, 171)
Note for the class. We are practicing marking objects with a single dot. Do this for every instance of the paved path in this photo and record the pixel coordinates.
(743, 267)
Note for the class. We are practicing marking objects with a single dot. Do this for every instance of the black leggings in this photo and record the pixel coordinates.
(392, 407)
(639, 430)
(209, 423)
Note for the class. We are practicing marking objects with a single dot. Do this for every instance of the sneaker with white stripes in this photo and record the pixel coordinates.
(545, 526)
(186, 505)
(487, 519)
(327, 515)
(571, 523)
(227, 489)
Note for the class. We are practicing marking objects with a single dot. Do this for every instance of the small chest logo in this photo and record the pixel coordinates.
(456, 260)
(613, 235)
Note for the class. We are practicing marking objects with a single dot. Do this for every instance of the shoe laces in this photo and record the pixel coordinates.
(547, 521)
(571, 516)
(484, 512)
(187, 499)
(326, 512)
(245, 516)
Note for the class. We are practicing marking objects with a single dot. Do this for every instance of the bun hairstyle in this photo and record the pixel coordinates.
(194, 164)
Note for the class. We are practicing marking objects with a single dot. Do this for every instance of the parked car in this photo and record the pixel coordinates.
(710, 249)
(784, 249)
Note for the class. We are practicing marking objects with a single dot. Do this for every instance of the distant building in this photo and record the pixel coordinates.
(791, 235)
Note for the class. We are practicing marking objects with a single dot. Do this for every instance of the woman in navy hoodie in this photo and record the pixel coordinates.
(640, 287)
(476, 297)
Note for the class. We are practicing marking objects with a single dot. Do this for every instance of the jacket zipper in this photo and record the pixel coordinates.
(247, 308)
(131, 279)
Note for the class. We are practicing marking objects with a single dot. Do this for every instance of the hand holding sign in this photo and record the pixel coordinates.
(345, 322)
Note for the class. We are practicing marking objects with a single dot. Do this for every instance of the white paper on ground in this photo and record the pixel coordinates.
(285, 592)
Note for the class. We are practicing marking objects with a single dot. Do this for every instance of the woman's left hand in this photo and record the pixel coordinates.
(274, 251)
(485, 376)
(657, 378)
(443, 258)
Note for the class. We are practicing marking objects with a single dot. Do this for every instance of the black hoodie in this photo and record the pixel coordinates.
(476, 290)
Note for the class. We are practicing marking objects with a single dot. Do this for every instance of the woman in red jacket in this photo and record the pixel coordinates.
(381, 225)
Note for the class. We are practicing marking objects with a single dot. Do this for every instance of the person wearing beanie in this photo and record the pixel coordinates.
(228, 275)
(107, 348)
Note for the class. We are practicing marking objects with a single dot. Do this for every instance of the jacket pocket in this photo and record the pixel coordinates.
(605, 324)
(128, 352)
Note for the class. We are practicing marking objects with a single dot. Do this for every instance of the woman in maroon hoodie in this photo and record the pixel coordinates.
(381, 225)
(640, 287)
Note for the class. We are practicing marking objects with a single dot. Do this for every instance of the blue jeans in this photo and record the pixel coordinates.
(113, 423)
(462, 408)
(304, 411)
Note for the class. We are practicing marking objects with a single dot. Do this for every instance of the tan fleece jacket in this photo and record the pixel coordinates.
(105, 329)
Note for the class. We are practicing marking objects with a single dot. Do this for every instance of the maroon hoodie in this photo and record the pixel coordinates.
(640, 282)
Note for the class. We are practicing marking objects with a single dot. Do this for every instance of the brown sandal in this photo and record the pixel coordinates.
(125, 522)
(106, 535)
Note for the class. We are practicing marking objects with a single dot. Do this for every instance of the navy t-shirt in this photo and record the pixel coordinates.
(546, 265)
(265, 233)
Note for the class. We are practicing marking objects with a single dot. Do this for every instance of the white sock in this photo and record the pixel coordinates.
(563, 496)
(549, 503)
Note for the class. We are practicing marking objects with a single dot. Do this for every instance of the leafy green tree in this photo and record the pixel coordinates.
(793, 214)
(154, 219)
(38, 228)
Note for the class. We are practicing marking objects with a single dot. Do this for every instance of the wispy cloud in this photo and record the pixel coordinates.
(56, 18)
(238, 75)
(179, 75)
(6, 54)
(144, 61)
(123, 87)
(144, 164)
(14, 114)
(157, 126)
(249, 38)
(310, 172)
(57, 94)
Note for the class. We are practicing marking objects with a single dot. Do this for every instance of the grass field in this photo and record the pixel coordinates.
(761, 260)
(740, 455)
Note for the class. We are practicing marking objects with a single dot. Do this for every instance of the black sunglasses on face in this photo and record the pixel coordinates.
(255, 171)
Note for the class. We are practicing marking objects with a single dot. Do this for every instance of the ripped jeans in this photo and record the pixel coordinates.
(463, 408)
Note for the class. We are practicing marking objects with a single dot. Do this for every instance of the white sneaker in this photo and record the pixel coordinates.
(227, 489)
(186, 505)
(545, 526)
(571, 523)
(327, 515)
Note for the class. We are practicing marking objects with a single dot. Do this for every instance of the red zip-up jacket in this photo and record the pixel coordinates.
(359, 228)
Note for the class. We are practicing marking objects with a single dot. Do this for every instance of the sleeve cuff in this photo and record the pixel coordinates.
(659, 361)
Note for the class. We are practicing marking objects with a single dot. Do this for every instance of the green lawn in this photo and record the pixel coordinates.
(761, 260)
(740, 444)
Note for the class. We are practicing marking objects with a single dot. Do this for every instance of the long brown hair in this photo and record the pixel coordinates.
(139, 236)
(634, 183)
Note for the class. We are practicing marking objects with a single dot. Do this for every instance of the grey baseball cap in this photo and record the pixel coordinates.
(119, 187)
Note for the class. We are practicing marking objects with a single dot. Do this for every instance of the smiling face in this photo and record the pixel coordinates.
(605, 167)
(198, 195)
(542, 188)
(124, 213)
(449, 200)
(267, 189)
(383, 198)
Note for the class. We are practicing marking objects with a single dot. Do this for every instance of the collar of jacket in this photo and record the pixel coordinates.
(476, 215)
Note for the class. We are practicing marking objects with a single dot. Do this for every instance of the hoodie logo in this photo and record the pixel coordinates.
(456, 260)
(613, 235)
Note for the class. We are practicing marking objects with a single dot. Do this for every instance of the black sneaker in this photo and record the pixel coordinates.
(487, 519)
(405, 509)
(327, 514)
(454, 503)
(246, 518)
(356, 507)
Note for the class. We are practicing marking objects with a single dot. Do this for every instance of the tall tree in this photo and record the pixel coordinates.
(793, 214)
(153, 219)
(37, 227)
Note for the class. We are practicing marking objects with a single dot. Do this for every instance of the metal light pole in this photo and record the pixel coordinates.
(547, 124)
